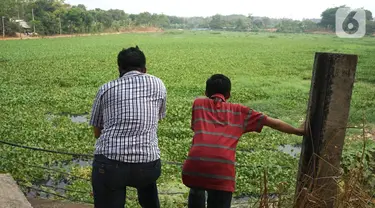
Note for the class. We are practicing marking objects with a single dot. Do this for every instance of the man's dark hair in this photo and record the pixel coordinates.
(131, 59)
(218, 84)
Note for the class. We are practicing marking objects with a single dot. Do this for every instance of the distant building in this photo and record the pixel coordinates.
(26, 28)
(270, 30)
(200, 29)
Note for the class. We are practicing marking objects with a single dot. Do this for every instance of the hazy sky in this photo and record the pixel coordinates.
(295, 9)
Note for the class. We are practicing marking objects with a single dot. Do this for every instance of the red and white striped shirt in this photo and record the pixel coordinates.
(217, 127)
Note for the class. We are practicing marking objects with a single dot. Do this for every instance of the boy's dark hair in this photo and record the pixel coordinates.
(218, 83)
(131, 59)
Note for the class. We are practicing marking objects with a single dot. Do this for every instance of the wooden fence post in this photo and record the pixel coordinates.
(327, 117)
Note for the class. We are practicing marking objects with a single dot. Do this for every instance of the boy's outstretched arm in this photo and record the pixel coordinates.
(283, 127)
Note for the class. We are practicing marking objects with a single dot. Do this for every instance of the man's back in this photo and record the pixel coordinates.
(131, 108)
(125, 119)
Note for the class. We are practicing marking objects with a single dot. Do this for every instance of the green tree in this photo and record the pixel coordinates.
(8, 11)
(103, 17)
(76, 17)
(370, 28)
(81, 6)
(117, 15)
(266, 22)
(160, 20)
(242, 25)
(290, 26)
(258, 23)
(308, 25)
(216, 22)
(116, 25)
(368, 15)
(46, 21)
(88, 22)
(329, 17)
(143, 19)
(251, 19)
(7, 8)
(10, 27)
(175, 22)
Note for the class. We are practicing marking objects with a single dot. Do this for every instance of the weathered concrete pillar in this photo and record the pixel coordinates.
(327, 117)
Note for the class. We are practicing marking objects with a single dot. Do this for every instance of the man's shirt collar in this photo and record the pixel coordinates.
(131, 73)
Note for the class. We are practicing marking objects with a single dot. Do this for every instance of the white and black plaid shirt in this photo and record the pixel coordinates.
(128, 109)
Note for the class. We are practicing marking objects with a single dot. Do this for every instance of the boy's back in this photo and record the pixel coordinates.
(217, 127)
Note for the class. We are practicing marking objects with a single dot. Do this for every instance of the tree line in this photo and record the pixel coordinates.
(50, 17)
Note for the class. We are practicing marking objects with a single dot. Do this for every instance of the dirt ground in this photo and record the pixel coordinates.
(135, 30)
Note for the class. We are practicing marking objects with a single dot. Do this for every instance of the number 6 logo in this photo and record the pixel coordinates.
(350, 23)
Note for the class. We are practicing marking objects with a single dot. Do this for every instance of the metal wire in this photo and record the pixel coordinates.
(44, 150)
(49, 169)
(54, 194)
(91, 156)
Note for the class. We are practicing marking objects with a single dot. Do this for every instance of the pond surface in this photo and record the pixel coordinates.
(292, 150)
(57, 185)
(75, 118)
(32, 193)
(79, 118)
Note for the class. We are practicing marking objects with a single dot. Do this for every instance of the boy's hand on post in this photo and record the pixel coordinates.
(303, 129)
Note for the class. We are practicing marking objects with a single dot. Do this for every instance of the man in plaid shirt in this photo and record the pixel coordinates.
(125, 118)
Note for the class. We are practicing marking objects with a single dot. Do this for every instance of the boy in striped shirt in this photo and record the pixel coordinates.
(218, 126)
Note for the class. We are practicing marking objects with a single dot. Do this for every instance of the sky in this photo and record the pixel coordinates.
(294, 9)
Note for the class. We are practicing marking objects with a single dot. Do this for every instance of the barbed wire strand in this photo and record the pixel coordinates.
(73, 176)
(86, 179)
(91, 203)
(54, 194)
(63, 189)
(131, 188)
(84, 201)
(44, 150)
(91, 156)
(253, 195)
(47, 168)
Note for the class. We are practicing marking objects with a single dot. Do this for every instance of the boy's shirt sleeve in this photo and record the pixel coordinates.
(192, 117)
(198, 102)
(254, 121)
